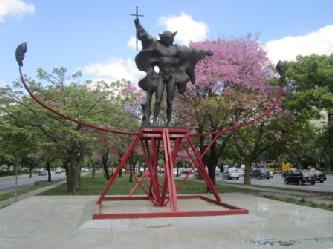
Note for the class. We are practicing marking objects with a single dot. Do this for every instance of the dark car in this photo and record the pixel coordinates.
(320, 176)
(260, 173)
(299, 178)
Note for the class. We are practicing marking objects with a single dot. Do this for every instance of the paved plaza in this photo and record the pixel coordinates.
(65, 222)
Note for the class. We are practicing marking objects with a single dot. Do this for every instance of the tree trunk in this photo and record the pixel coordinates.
(130, 179)
(213, 161)
(105, 165)
(177, 165)
(247, 172)
(120, 173)
(93, 166)
(73, 177)
(65, 166)
(202, 147)
(48, 168)
(75, 162)
(93, 170)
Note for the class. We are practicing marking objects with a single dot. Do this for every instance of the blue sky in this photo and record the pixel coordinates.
(93, 36)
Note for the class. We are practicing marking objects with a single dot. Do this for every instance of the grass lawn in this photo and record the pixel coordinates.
(26, 189)
(94, 186)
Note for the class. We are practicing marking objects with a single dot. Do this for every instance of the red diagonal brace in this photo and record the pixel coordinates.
(119, 167)
(203, 171)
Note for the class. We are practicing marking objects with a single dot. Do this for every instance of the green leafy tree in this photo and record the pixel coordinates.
(312, 77)
(92, 102)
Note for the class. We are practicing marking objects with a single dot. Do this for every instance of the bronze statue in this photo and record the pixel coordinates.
(167, 66)
(19, 53)
(280, 68)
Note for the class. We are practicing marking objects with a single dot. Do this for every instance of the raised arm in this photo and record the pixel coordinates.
(141, 33)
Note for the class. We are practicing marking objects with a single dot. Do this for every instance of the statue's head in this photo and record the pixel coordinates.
(167, 37)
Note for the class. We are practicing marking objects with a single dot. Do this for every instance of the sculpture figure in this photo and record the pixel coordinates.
(19, 53)
(167, 66)
(280, 68)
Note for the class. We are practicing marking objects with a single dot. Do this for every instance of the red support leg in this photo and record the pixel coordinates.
(148, 158)
(172, 138)
(169, 169)
(119, 167)
(153, 173)
(203, 171)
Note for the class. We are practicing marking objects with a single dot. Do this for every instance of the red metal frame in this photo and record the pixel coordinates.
(154, 141)
(160, 195)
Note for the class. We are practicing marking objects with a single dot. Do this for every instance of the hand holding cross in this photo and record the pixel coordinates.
(136, 21)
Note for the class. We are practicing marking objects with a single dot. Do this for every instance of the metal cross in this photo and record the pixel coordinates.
(137, 16)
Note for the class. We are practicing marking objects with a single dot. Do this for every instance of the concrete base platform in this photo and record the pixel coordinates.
(65, 222)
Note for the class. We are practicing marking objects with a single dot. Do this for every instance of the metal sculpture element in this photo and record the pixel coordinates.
(167, 66)
(280, 68)
(19, 53)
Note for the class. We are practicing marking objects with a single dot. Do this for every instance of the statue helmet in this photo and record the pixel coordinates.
(168, 34)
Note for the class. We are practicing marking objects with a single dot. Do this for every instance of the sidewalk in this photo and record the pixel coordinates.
(64, 222)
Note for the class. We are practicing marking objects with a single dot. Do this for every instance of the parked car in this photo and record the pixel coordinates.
(58, 171)
(185, 172)
(230, 174)
(261, 173)
(320, 176)
(41, 172)
(300, 178)
(240, 171)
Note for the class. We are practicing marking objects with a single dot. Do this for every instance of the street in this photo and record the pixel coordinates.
(7, 183)
(277, 181)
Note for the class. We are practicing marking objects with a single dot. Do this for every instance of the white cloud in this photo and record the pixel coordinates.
(115, 69)
(15, 8)
(187, 28)
(132, 43)
(287, 48)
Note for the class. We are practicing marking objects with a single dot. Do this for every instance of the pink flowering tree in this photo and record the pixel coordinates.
(231, 86)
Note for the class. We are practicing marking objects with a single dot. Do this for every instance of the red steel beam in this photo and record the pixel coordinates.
(119, 167)
(203, 171)
(169, 167)
(98, 216)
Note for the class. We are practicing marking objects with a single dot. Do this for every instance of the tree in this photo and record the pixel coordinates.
(98, 103)
(16, 140)
(313, 80)
(230, 83)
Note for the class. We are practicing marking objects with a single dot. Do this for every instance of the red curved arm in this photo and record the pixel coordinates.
(77, 121)
(217, 133)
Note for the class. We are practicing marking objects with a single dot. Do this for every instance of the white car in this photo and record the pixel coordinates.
(229, 175)
(58, 171)
(240, 171)
(41, 172)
